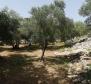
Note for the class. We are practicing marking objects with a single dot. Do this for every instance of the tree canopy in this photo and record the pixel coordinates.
(85, 11)
(50, 23)
(8, 26)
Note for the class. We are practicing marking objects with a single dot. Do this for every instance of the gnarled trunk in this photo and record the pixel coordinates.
(43, 49)
(15, 45)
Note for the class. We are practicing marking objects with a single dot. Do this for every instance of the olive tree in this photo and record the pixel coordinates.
(80, 28)
(50, 23)
(85, 11)
(8, 28)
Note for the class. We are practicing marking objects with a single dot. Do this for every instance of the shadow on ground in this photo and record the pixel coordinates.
(19, 69)
(57, 60)
(30, 49)
(83, 78)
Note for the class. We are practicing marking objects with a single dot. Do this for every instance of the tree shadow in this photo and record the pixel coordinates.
(18, 69)
(64, 59)
(5, 49)
(55, 47)
(57, 60)
(31, 48)
(83, 78)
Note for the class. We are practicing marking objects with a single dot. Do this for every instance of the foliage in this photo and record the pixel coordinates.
(80, 28)
(50, 24)
(25, 29)
(85, 11)
(8, 27)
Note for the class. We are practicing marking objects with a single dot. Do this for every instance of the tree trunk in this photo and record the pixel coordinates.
(43, 50)
(30, 44)
(16, 45)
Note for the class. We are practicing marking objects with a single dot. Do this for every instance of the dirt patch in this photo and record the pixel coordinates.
(7, 51)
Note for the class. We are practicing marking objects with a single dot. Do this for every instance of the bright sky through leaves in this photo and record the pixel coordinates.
(23, 6)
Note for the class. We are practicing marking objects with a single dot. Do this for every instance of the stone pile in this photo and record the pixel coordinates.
(81, 53)
(83, 45)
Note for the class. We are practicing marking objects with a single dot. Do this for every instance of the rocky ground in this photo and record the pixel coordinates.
(80, 65)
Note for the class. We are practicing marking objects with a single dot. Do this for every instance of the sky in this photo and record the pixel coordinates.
(24, 6)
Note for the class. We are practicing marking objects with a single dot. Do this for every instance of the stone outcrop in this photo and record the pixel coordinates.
(80, 60)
